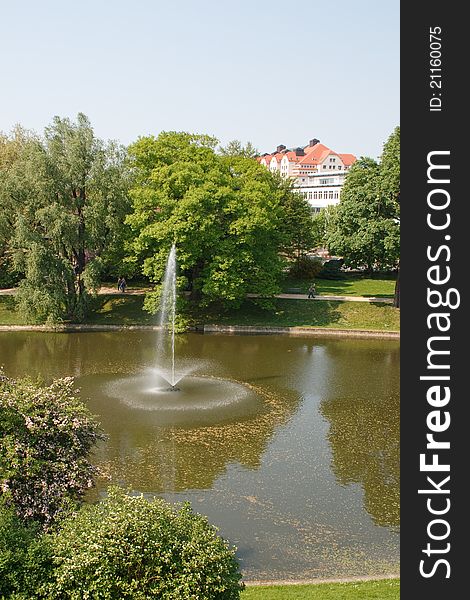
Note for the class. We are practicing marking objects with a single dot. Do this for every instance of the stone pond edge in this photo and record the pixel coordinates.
(227, 329)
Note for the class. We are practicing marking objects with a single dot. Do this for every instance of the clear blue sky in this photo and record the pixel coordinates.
(270, 72)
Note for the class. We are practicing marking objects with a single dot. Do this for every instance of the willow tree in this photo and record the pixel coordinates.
(69, 201)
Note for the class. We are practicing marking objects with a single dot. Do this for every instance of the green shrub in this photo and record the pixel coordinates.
(306, 267)
(25, 557)
(129, 547)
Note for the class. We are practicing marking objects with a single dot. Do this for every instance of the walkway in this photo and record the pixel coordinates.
(142, 291)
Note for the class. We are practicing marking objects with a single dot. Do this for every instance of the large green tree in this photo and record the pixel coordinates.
(364, 228)
(226, 215)
(67, 199)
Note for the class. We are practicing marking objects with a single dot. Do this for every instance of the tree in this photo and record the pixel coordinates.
(47, 434)
(11, 149)
(128, 547)
(364, 227)
(390, 184)
(297, 225)
(68, 199)
(236, 148)
(225, 214)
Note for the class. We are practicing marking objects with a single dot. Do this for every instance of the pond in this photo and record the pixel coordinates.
(290, 445)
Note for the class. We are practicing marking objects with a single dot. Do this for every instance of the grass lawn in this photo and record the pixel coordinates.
(120, 310)
(325, 313)
(127, 310)
(8, 314)
(381, 286)
(387, 589)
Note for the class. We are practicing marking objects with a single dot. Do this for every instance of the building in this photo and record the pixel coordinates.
(317, 171)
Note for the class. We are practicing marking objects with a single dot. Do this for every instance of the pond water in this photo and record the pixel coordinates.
(289, 445)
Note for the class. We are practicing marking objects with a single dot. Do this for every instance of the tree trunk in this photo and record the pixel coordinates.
(396, 298)
(196, 295)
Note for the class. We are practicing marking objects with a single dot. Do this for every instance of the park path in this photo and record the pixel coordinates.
(142, 291)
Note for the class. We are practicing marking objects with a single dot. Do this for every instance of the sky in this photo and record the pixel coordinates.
(272, 73)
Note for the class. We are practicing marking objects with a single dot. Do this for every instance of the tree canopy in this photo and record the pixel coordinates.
(66, 199)
(364, 228)
(227, 215)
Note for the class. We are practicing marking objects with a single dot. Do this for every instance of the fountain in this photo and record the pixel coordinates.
(167, 320)
(202, 398)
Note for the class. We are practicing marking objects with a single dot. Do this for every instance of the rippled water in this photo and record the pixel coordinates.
(289, 445)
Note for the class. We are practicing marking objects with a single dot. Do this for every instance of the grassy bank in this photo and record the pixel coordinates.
(8, 315)
(127, 310)
(380, 286)
(304, 313)
(387, 589)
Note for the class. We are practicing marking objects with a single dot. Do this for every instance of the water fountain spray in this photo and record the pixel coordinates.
(168, 312)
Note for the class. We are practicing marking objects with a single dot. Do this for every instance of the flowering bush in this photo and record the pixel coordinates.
(128, 547)
(46, 436)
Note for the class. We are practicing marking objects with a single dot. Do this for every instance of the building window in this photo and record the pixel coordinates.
(336, 195)
(315, 195)
(310, 195)
(331, 195)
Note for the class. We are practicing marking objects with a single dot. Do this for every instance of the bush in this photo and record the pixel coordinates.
(25, 557)
(306, 267)
(332, 269)
(128, 547)
(47, 434)
(8, 276)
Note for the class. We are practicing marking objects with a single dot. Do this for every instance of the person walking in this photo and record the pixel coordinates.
(119, 283)
(312, 291)
(123, 285)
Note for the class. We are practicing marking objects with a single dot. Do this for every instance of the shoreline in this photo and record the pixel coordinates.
(319, 581)
(214, 329)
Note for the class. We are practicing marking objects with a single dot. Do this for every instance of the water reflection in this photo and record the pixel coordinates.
(362, 407)
(302, 475)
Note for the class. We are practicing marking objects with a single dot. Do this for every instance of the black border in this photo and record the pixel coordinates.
(423, 131)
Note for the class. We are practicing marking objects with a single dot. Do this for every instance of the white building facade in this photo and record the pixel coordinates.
(318, 173)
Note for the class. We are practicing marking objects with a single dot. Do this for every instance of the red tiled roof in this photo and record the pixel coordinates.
(348, 159)
(316, 150)
(292, 156)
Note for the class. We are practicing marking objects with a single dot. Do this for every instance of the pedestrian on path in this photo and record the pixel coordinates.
(312, 291)
(123, 285)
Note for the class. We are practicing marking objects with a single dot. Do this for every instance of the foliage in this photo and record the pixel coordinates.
(298, 225)
(66, 199)
(129, 547)
(25, 557)
(364, 227)
(390, 167)
(47, 434)
(225, 214)
(236, 148)
(306, 267)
